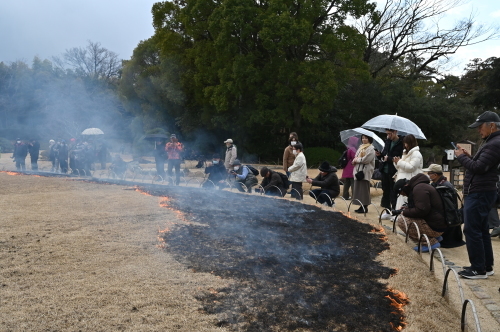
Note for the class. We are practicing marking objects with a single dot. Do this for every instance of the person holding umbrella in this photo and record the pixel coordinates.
(393, 148)
(364, 165)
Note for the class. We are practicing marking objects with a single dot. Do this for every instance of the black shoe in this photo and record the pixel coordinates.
(473, 274)
(361, 210)
(489, 270)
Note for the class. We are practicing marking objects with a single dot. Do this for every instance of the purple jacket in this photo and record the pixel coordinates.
(348, 170)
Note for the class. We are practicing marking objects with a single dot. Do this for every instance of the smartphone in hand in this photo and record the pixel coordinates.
(454, 146)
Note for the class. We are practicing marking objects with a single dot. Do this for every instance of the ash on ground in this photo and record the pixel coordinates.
(297, 267)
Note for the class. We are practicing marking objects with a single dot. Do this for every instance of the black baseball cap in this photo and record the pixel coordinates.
(487, 116)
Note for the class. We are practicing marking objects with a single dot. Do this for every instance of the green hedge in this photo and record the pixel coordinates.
(315, 156)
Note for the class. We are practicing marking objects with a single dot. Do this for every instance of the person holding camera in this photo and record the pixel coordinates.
(424, 208)
(272, 183)
(243, 176)
(216, 172)
(328, 182)
(364, 165)
(174, 149)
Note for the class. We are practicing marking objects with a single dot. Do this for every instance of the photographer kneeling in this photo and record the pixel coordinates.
(425, 208)
(272, 183)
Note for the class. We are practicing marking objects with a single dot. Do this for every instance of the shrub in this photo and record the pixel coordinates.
(6, 146)
(315, 156)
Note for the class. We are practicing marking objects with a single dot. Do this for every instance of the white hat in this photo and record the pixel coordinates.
(228, 141)
(434, 168)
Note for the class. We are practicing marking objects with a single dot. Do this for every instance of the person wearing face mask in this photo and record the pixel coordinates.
(480, 193)
(288, 156)
(216, 173)
(243, 175)
(19, 155)
(298, 171)
(231, 154)
(409, 165)
(393, 148)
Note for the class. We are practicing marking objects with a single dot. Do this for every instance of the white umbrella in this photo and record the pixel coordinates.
(378, 143)
(404, 126)
(92, 131)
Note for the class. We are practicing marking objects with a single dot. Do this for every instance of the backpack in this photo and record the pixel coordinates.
(284, 178)
(343, 160)
(252, 169)
(453, 214)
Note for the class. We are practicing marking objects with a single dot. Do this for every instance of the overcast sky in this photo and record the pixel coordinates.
(48, 27)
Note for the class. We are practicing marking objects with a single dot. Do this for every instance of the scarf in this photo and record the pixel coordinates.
(363, 148)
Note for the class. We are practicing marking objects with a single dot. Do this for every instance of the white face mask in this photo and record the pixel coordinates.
(293, 143)
(294, 151)
(215, 162)
(18, 142)
(236, 168)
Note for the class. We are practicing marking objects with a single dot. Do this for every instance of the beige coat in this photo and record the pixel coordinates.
(368, 161)
(288, 158)
(298, 169)
(231, 155)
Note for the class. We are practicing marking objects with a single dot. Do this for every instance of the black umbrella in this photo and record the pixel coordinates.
(154, 137)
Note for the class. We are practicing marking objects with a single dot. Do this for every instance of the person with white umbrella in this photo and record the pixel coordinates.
(409, 165)
(364, 165)
(393, 148)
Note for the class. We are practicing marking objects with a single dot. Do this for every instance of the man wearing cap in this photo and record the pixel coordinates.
(174, 149)
(328, 182)
(216, 173)
(480, 194)
(424, 209)
(19, 155)
(231, 154)
(272, 182)
(453, 236)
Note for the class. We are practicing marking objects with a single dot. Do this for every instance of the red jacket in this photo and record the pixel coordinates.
(174, 150)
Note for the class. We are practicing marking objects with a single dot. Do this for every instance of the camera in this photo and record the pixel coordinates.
(396, 212)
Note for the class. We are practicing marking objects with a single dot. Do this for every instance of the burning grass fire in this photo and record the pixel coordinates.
(295, 267)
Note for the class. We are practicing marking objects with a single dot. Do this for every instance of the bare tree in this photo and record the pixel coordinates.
(93, 61)
(412, 31)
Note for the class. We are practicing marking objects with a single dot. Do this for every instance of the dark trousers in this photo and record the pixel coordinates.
(322, 197)
(388, 198)
(297, 193)
(174, 163)
(20, 164)
(348, 183)
(493, 220)
(160, 166)
(477, 207)
(34, 163)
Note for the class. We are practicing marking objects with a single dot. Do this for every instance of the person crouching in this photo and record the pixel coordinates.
(244, 177)
(425, 208)
(328, 182)
(272, 183)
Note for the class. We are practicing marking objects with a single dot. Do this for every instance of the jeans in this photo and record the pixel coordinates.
(477, 207)
(388, 197)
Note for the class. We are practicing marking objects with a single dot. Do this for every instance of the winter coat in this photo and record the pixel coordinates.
(442, 181)
(20, 150)
(216, 172)
(424, 202)
(347, 172)
(411, 164)
(365, 163)
(231, 155)
(34, 150)
(160, 153)
(274, 180)
(174, 150)
(328, 182)
(298, 169)
(288, 158)
(396, 151)
(481, 170)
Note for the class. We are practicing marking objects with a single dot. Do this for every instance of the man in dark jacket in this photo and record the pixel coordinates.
(19, 155)
(480, 194)
(160, 157)
(425, 208)
(453, 236)
(393, 148)
(328, 181)
(217, 173)
(272, 183)
(34, 150)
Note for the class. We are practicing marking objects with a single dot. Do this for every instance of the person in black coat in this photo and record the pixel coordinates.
(34, 150)
(160, 157)
(19, 155)
(393, 148)
(328, 181)
(216, 173)
(272, 183)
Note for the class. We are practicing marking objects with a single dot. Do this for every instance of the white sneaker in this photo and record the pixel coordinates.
(386, 216)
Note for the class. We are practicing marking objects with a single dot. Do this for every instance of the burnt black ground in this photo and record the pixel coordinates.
(297, 267)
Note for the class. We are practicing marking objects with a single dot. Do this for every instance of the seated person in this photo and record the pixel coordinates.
(272, 183)
(118, 166)
(244, 176)
(328, 182)
(216, 173)
(425, 208)
(453, 236)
